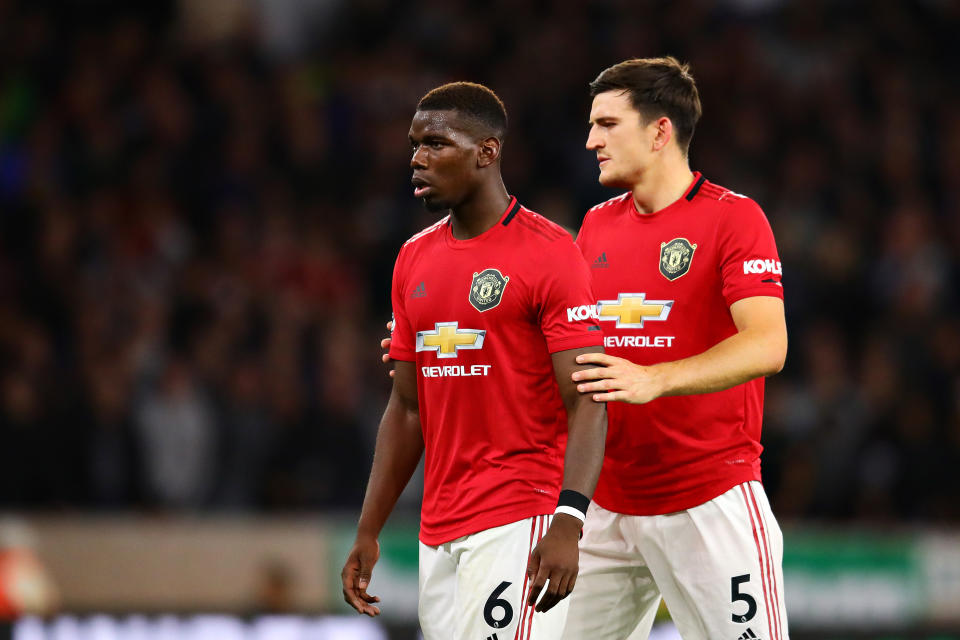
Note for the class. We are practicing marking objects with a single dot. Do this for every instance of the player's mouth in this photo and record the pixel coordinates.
(601, 160)
(420, 187)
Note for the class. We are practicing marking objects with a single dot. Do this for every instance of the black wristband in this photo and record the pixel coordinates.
(575, 499)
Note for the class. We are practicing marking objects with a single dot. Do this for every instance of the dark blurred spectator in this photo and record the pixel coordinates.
(247, 435)
(113, 458)
(176, 426)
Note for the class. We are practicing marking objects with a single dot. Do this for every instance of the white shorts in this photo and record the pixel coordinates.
(718, 566)
(475, 587)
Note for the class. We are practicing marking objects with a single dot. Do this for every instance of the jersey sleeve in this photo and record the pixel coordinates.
(567, 305)
(402, 345)
(749, 263)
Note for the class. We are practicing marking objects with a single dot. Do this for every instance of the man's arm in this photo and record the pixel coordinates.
(398, 451)
(759, 348)
(556, 556)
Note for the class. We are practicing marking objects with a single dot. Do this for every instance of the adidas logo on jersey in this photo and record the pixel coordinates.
(493, 637)
(748, 635)
(601, 262)
(419, 291)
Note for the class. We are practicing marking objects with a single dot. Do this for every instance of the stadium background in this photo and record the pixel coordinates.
(200, 204)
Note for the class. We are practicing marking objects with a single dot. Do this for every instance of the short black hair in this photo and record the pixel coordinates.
(656, 87)
(477, 102)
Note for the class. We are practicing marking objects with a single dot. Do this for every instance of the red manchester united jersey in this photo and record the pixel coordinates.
(480, 318)
(665, 282)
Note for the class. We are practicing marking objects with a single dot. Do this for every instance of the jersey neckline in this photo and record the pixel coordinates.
(691, 191)
(508, 214)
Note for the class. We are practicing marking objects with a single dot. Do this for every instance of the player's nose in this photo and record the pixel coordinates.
(594, 141)
(419, 159)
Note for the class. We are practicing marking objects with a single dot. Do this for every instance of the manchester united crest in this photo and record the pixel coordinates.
(486, 290)
(675, 258)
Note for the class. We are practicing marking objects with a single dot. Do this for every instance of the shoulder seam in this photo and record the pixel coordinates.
(436, 225)
(718, 193)
(539, 224)
(615, 199)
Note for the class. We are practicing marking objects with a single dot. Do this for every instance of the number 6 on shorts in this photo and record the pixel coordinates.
(494, 602)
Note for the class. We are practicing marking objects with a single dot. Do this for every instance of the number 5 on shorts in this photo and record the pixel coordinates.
(492, 603)
(737, 596)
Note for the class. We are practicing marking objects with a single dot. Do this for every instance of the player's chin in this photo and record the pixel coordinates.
(610, 179)
(434, 203)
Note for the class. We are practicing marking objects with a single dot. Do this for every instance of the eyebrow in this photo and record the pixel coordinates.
(430, 137)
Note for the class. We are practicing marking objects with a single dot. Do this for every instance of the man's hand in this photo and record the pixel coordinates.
(555, 559)
(356, 576)
(385, 345)
(620, 379)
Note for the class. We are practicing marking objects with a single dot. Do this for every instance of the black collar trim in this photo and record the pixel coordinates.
(511, 212)
(696, 187)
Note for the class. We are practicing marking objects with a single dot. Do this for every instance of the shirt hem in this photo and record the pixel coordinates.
(476, 525)
(676, 503)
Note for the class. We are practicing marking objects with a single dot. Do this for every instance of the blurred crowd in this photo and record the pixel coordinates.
(198, 223)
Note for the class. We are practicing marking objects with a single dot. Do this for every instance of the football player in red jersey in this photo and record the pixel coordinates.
(688, 283)
(492, 305)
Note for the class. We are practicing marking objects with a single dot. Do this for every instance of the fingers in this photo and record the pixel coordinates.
(533, 569)
(354, 595)
(364, 576)
(536, 586)
(598, 385)
(611, 396)
(594, 374)
(550, 596)
(361, 601)
(356, 578)
(598, 358)
(557, 588)
(385, 344)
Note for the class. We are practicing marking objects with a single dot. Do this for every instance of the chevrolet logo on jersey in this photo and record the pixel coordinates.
(447, 340)
(631, 309)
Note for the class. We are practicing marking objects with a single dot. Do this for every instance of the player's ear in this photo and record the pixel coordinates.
(663, 133)
(489, 151)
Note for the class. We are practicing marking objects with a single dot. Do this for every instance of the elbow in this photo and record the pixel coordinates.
(777, 357)
(774, 367)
